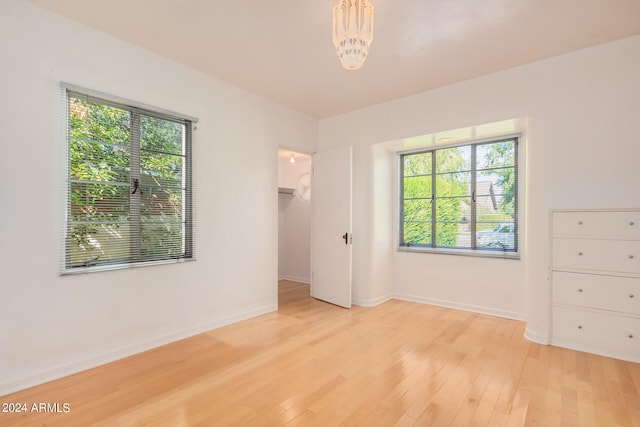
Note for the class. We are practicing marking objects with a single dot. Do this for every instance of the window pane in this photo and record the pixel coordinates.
(447, 234)
(160, 202)
(456, 159)
(495, 203)
(417, 210)
(453, 197)
(94, 161)
(161, 135)
(496, 236)
(161, 239)
(97, 244)
(494, 155)
(490, 196)
(97, 122)
(99, 227)
(496, 177)
(167, 168)
(98, 202)
(417, 233)
(417, 204)
(99, 171)
(453, 222)
(417, 222)
(456, 184)
(417, 164)
(417, 187)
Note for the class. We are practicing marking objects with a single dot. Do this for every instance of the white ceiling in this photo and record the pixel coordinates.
(282, 49)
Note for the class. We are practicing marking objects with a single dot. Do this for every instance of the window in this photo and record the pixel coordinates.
(129, 191)
(461, 198)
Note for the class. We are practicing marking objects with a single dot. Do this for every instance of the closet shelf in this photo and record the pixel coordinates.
(283, 190)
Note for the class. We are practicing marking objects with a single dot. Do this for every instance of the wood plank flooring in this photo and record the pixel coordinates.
(315, 364)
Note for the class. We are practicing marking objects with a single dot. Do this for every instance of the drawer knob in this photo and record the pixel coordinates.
(579, 253)
(630, 335)
(579, 222)
(579, 326)
(631, 295)
(580, 290)
(630, 256)
(632, 223)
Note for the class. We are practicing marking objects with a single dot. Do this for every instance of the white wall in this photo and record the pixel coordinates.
(51, 325)
(581, 148)
(294, 232)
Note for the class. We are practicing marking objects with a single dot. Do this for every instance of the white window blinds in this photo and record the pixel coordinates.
(129, 187)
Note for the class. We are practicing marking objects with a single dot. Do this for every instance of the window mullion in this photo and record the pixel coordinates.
(516, 216)
(136, 190)
(402, 219)
(433, 199)
(474, 195)
(187, 180)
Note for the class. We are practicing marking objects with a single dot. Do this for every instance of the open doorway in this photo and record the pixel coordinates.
(294, 225)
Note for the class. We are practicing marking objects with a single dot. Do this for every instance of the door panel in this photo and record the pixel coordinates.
(330, 222)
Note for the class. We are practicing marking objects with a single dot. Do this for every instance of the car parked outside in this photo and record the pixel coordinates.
(502, 236)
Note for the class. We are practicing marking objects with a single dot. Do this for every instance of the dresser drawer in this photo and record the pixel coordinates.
(595, 330)
(609, 223)
(602, 255)
(620, 294)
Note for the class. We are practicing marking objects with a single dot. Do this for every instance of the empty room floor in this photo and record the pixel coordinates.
(315, 364)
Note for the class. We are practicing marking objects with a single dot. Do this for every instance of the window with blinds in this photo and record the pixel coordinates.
(129, 188)
(461, 199)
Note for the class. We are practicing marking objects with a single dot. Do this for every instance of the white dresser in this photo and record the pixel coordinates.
(595, 281)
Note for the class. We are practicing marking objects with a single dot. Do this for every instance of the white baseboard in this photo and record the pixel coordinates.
(536, 337)
(371, 302)
(299, 279)
(111, 356)
(460, 306)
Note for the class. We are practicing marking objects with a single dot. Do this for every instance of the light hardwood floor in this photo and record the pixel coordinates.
(314, 364)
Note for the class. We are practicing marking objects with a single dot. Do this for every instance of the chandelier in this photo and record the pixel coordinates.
(352, 32)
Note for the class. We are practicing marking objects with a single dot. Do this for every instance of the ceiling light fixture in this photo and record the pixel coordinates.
(352, 32)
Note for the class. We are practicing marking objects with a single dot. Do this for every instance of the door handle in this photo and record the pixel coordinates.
(345, 236)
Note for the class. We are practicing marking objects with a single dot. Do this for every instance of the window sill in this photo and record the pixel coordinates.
(462, 252)
(111, 267)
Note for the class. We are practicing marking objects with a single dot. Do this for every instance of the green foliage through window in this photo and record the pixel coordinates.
(129, 185)
(462, 197)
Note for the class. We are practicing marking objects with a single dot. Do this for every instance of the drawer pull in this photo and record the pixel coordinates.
(579, 253)
(580, 290)
(630, 335)
(631, 295)
(579, 222)
(632, 223)
(579, 326)
(630, 256)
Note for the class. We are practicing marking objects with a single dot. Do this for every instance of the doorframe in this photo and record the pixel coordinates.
(278, 170)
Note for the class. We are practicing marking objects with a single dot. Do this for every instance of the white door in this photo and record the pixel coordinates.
(331, 226)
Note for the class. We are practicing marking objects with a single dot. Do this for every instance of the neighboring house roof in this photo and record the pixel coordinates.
(488, 204)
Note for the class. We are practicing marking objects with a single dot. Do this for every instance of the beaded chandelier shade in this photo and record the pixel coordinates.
(352, 32)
